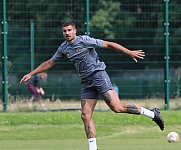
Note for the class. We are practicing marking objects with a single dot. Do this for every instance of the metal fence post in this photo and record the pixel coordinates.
(4, 57)
(87, 23)
(167, 80)
(32, 44)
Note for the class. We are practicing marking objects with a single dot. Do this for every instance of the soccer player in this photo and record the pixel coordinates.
(80, 50)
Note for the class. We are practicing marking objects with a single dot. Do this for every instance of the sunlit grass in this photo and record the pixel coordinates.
(64, 130)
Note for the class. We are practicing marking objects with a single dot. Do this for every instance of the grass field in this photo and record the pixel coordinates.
(64, 131)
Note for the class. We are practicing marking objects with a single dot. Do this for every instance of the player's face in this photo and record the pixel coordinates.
(69, 32)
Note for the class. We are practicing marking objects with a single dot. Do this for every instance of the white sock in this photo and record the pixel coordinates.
(92, 144)
(146, 112)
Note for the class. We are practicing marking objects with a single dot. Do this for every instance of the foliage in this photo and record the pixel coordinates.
(108, 18)
(112, 19)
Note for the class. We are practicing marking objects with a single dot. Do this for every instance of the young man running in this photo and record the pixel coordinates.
(80, 50)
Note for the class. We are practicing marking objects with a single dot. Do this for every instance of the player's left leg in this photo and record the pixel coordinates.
(88, 106)
(112, 100)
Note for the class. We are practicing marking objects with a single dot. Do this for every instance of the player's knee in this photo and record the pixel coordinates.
(85, 117)
(117, 109)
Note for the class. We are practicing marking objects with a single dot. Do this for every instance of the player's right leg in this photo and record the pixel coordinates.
(88, 106)
(88, 102)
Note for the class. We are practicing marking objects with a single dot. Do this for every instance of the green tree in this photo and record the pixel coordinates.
(108, 20)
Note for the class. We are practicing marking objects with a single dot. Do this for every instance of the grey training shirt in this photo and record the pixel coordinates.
(82, 53)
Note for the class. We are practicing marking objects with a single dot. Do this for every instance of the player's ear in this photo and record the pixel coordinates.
(75, 31)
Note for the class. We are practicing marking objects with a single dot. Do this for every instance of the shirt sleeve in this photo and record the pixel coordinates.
(92, 42)
(58, 55)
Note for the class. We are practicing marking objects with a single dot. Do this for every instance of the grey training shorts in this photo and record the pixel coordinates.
(95, 84)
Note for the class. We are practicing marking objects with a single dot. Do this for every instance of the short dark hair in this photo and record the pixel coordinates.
(70, 23)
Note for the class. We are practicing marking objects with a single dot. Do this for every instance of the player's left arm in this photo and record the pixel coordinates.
(133, 54)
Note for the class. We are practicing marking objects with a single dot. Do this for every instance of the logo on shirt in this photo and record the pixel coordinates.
(78, 49)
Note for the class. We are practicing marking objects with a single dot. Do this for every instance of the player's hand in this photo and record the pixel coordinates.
(25, 78)
(137, 54)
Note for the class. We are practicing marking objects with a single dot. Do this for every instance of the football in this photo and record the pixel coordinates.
(172, 137)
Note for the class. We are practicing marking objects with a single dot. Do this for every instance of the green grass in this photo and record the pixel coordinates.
(64, 131)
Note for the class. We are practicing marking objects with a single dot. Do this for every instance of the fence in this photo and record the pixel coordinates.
(34, 34)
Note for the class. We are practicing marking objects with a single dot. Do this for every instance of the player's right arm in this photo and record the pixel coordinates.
(41, 68)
